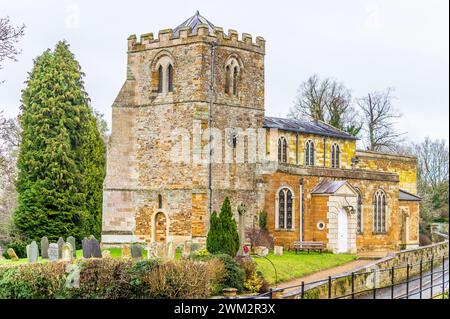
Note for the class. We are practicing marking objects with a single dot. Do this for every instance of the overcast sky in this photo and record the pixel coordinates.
(368, 45)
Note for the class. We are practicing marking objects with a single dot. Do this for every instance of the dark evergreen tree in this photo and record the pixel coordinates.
(61, 156)
(213, 240)
(230, 236)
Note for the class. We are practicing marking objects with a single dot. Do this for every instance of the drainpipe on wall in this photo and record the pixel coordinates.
(300, 226)
(210, 106)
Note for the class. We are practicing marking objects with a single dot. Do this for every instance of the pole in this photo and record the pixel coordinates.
(407, 281)
(353, 285)
(431, 285)
(329, 287)
(420, 279)
(300, 227)
(374, 285)
(303, 290)
(392, 282)
(443, 276)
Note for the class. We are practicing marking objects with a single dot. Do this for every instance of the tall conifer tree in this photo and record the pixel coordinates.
(61, 156)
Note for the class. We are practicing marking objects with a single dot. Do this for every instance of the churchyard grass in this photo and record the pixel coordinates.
(291, 265)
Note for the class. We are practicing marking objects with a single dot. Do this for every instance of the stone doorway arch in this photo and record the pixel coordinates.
(160, 227)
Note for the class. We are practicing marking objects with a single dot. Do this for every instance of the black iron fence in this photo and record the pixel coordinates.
(422, 280)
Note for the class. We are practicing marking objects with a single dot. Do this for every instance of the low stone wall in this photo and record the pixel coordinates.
(378, 274)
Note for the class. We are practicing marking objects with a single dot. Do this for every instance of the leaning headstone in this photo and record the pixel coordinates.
(44, 248)
(171, 248)
(12, 254)
(136, 251)
(71, 240)
(53, 252)
(86, 248)
(94, 246)
(67, 253)
(60, 246)
(187, 249)
(278, 250)
(126, 251)
(32, 252)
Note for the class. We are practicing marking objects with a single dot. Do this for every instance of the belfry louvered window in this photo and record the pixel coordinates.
(379, 211)
(309, 153)
(285, 203)
(282, 150)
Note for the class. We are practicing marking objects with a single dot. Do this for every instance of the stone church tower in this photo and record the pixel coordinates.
(159, 184)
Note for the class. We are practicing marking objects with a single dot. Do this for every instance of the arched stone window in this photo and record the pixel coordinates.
(284, 214)
(379, 211)
(335, 155)
(282, 150)
(165, 73)
(232, 70)
(359, 213)
(309, 153)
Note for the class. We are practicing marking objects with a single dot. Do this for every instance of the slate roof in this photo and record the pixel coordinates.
(404, 195)
(327, 187)
(306, 126)
(193, 23)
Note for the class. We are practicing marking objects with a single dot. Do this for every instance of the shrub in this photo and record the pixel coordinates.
(230, 241)
(175, 279)
(259, 237)
(214, 238)
(253, 280)
(19, 247)
(424, 240)
(263, 220)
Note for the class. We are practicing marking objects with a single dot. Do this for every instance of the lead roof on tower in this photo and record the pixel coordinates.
(193, 23)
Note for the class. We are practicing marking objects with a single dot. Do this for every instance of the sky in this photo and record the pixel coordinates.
(368, 45)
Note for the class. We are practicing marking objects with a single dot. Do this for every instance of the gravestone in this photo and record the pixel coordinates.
(187, 249)
(152, 250)
(136, 251)
(106, 254)
(261, 251)
(60, 246)
(44, 248)
(72, 241)
(67, 253)
(12, 254)
(32, 252)
(53, 252)
(86, 248)
(1, 253)
(278, 250)
(161, 250)
(126, 251)
(94, 247)
(171, 248)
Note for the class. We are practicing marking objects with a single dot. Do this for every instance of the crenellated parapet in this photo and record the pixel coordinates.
(202, 33)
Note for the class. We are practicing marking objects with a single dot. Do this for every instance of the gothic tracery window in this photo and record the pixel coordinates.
(284, 210)
(379, 211)
(282, 150)
(309, 153)
(232, 70)
(165, 72)
(335, 156)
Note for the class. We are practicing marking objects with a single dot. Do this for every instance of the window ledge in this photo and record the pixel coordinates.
(285, 230)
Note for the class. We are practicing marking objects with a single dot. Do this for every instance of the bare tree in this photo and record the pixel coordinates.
(433, 161)
(9, 36)
(378, 120)
(326, 100)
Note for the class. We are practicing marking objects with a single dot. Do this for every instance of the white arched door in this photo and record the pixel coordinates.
(342, 231)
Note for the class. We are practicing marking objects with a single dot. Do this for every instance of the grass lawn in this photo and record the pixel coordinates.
(292, 265)
(114, 252)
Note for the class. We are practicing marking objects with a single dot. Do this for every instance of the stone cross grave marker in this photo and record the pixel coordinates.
(53, 252)
(86, 248)
(12, 254)
(33, 252)
(60, 246)
(136, 251)
(72, 241)
(44, 248)
(96, 252)
(67, 253)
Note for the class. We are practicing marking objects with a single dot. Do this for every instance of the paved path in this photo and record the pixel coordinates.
(414, 287)
(323, 274)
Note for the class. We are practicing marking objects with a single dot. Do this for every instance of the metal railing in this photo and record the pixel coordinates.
(419, 280)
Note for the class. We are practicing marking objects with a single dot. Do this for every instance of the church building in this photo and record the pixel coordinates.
(189, 129)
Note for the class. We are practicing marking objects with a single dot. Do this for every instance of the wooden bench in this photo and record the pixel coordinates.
(308, 245)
